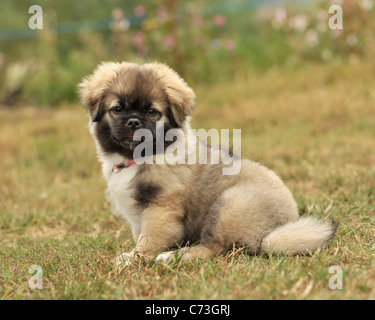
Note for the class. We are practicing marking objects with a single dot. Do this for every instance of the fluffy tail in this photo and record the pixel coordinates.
(301, 236)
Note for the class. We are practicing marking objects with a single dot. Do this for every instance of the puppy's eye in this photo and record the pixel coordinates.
(152, 112)
(116, 109)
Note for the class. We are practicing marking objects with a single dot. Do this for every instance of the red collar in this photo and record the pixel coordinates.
(119, 166)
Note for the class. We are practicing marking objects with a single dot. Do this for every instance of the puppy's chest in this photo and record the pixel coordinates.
(132, 192)
(121, 190)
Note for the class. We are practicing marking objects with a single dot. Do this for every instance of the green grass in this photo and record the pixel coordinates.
(315, 128)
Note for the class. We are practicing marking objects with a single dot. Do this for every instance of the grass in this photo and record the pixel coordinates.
(314, 127)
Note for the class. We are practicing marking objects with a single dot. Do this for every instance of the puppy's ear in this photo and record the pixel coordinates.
(180, 96)
(92, 88)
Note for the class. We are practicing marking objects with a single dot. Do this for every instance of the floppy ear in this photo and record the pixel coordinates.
(181, 97)
(93, 88)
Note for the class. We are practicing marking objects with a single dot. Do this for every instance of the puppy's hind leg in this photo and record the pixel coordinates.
(189, 253)
(241, 217)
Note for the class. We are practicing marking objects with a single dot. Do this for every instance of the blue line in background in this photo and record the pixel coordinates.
(71, 27)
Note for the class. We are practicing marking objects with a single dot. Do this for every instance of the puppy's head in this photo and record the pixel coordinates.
(124, 97)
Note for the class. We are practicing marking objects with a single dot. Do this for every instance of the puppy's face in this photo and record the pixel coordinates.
(133, 101)
(122, 98)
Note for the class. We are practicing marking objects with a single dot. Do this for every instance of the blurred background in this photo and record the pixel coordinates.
(205, 41)
(302, 94)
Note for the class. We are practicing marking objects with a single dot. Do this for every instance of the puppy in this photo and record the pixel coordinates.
(169, 205)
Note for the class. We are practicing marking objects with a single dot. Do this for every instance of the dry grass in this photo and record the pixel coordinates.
(314, 127)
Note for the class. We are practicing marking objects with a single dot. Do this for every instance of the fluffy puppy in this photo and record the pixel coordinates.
(168, 205)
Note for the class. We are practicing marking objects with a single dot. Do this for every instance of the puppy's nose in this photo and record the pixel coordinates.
(133, 123)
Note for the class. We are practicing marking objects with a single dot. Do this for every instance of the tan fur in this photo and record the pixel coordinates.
(92, 88)
(151, 241)
(167, 205)
(181, 96)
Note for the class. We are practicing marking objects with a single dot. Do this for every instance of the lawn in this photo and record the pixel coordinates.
(314, 127)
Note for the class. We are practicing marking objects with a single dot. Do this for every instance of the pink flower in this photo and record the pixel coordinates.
(139, 39)
(139, 43)
(197, 20)
(162, 13)
(169, 41)
(312, 38)
(279, 18)
(299, 22)
(219, 20)
(229, 44)
(139, 11)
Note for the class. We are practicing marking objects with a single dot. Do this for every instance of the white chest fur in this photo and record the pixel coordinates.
(119, 184)
(120, 190)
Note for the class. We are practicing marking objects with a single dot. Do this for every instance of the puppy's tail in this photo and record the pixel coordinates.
(301, 236)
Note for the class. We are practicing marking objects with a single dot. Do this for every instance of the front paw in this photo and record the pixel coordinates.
(125, 259)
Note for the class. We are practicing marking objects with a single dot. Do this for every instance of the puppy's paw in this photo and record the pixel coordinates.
(172, 256)
(125, 259)
(167, 257)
